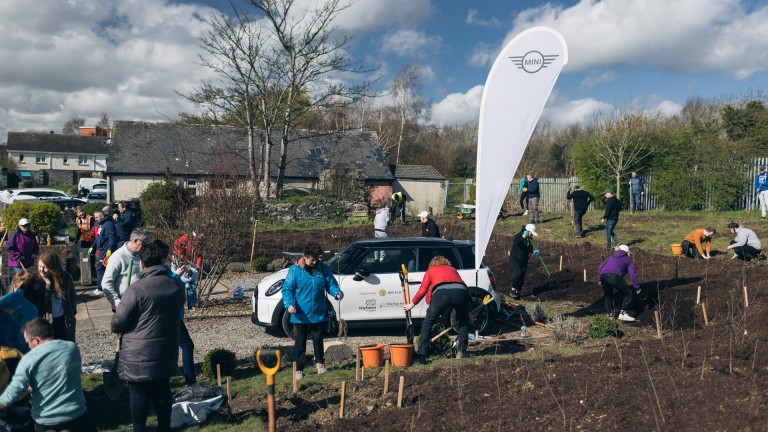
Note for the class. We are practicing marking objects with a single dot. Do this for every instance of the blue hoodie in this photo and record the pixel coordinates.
(15, 311)
(619, 264)
(306, 292)
(761, 182)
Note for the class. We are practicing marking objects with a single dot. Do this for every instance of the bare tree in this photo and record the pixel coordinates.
(103, 121)
(72, 126)
(406, 91)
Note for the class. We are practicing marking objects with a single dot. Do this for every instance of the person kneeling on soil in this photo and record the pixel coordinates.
(746, 245)
(522, 246)
(611, 274)
(444, 290)
(692, 243)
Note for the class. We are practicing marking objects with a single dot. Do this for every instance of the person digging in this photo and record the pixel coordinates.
(698, 243)
(610, 276)
(521, 249)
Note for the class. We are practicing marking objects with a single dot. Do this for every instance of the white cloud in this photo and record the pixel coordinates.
(427, 74)
(483, 55)
(680, 36)
(474, 19)
(458, 108)
(369, 15)
(409, 43)
(563, 112)
(595, 79)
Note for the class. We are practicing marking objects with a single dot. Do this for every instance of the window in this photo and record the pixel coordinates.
(21, 157)
(427, 253)
(82, 160)
(192, 187)
(40, 158)
(65, 159)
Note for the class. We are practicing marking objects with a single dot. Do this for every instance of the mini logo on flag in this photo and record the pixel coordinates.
(533, 61)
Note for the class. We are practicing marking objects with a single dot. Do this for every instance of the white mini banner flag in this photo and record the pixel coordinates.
(520, 81)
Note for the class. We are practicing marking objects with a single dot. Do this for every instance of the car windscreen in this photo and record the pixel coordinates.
(342, 262)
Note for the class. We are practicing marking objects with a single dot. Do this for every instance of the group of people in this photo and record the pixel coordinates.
(745, 245)
(385, 215)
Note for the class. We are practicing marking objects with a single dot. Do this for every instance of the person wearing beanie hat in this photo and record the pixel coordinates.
(22, 249)
(522, 247)
(581, 201)
(428, 225)
(761, 187)
(610, 276)
(611, 217)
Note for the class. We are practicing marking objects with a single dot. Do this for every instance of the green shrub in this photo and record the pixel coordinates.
(46, 218)
(602, 326)
(162, 203)
(92, 208)
(260, 264)
(219, 356)
(437, 347)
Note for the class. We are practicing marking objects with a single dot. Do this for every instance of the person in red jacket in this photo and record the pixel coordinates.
(444, 290)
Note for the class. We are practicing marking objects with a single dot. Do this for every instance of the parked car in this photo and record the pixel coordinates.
(67, 203)
(37, 194)
(96, 197)
(368, 273)
(90, 183)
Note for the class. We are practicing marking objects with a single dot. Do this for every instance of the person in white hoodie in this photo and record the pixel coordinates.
(380, 225)
(122, 263)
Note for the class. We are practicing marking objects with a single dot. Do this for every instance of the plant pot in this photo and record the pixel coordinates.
(401, 355)
(677, 249)
(373, 355)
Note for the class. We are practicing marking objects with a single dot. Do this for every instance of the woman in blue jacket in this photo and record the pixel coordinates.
(304, 297)
(17, 307)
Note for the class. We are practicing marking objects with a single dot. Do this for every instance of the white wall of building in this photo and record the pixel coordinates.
(422, 195)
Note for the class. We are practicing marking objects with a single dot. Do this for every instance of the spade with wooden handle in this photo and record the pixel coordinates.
(410, 331)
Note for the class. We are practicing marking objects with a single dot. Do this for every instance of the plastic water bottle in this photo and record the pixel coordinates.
(523, 332)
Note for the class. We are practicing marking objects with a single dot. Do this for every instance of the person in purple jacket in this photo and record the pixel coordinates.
(22, 249)
(611, 274)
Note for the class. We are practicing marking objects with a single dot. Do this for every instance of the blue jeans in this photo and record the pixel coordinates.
(636, 200)
(11, 272)
(610, 224)
(187, 354)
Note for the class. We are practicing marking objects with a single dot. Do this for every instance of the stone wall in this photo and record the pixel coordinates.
(326, 211)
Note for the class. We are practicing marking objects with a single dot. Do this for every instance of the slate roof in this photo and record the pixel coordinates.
(44, 142)
(152, 148)
(416, 172)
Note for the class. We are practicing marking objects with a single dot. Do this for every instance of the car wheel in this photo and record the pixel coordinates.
(483, 320)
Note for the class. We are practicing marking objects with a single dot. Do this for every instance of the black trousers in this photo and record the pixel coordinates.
(747, 253)
(59, 328)
(443, 300)
(611, 281)
(524, 200)
(577, 216)
(689, 249)
(159, 393)
(518, 273)
(80, 424)
(300, 332)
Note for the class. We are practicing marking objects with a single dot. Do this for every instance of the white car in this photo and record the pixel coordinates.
(37, 194)
(368, 273)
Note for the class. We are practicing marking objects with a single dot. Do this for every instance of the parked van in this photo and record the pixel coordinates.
(88, 183)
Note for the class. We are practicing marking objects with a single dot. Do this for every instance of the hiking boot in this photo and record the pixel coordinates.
(320, 368)
(422, 359)
(299, 375)
(624, 316)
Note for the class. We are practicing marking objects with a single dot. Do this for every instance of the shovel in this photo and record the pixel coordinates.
(269, 372)
(410, 331)
(552, 281)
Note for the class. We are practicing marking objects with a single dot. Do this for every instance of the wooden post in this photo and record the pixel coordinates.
(704, 310)
(362, 373)
(218, 374)
(386, 376)
(657, 315)
(343, 396)
(746, 298)
(698, 295)
(561, 263)
(400, 392)
(585, 275)
(229, 389)
(295, 383)
(357, 365)
(253, 242)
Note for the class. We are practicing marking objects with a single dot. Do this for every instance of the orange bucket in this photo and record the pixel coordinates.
(677, 249)
(373, 355)
(401, 354)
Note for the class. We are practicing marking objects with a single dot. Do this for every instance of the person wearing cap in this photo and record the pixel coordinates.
(610, 276)
(761, 186)
(522, 247)
(611, 217)
(698, 243)
(22, 249)
(746, 245)
(581, 201)
(637, 190)
(533, 198)
(428, 225)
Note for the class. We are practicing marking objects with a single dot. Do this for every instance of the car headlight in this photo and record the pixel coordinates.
(275, 288)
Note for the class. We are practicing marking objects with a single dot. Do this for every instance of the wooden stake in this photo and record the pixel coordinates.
(585, 275)
(400, 392)
(218, 374)
(561, 263)
(295, 383)
(746, 298)
(386, 376)
(253, 242)
(362, 373)
(704, 310)
(229, 389)
(343, 396)
(658, 323)
(357, 365)
(698, 295)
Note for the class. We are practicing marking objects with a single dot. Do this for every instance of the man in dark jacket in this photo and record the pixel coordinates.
(428, 225)
(106, 243)
(125, 222)
(581, 201)
(533, 198)
(522, 247)
(611, 217)
(148, 318)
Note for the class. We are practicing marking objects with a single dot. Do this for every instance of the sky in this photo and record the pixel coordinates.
(130, 58)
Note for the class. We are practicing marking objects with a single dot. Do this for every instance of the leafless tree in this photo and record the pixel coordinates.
(72, 126)
(103, 121)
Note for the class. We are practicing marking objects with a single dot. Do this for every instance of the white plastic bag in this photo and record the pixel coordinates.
(192, 413)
